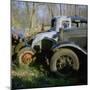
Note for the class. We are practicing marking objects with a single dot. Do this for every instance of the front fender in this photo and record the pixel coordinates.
(81, 54)
(40, 41)
(70, 45)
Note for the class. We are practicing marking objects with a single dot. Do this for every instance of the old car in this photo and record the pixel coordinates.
(61, 46)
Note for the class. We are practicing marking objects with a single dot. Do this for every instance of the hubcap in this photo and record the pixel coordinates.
(26, 58)
(64, 64)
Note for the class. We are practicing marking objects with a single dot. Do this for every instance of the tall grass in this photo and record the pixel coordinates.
(36, 76)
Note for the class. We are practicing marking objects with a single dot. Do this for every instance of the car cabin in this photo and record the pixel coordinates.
(67, 22)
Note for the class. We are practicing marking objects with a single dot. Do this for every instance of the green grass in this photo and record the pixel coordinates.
(36, 76)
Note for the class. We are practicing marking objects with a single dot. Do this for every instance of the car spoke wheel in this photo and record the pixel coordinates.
(64, 64)
(64, 61)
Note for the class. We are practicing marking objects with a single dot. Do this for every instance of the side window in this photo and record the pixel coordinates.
(77, 25)
(74, 25)
(83, 24)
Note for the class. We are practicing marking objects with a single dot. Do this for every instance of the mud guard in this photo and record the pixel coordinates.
(70, 45)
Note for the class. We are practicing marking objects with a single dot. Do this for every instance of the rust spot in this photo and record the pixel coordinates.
(26, 58)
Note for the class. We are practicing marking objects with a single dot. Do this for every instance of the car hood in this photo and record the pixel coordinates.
(43, 35)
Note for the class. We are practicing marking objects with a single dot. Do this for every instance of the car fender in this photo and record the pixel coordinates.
(70, 45)
(41, 36)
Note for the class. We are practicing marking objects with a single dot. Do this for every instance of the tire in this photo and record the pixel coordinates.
(25, 56)
(19, 46)
(64, 62)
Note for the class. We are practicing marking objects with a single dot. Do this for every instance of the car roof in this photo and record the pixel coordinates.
(73, 18)
(80, 18)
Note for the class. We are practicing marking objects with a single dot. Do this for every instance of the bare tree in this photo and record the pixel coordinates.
(30, 15)
(50, 10)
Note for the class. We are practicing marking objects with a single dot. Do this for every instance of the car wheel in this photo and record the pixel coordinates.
(64, 62)
(25, 56)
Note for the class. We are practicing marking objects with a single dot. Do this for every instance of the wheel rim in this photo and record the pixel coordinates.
(64, 64)
(26, 58)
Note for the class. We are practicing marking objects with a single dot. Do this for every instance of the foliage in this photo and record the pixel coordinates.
(36, 76)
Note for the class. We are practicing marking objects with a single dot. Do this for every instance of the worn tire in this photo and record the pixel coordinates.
(25, 56)
(19, 46)
(64, 52)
